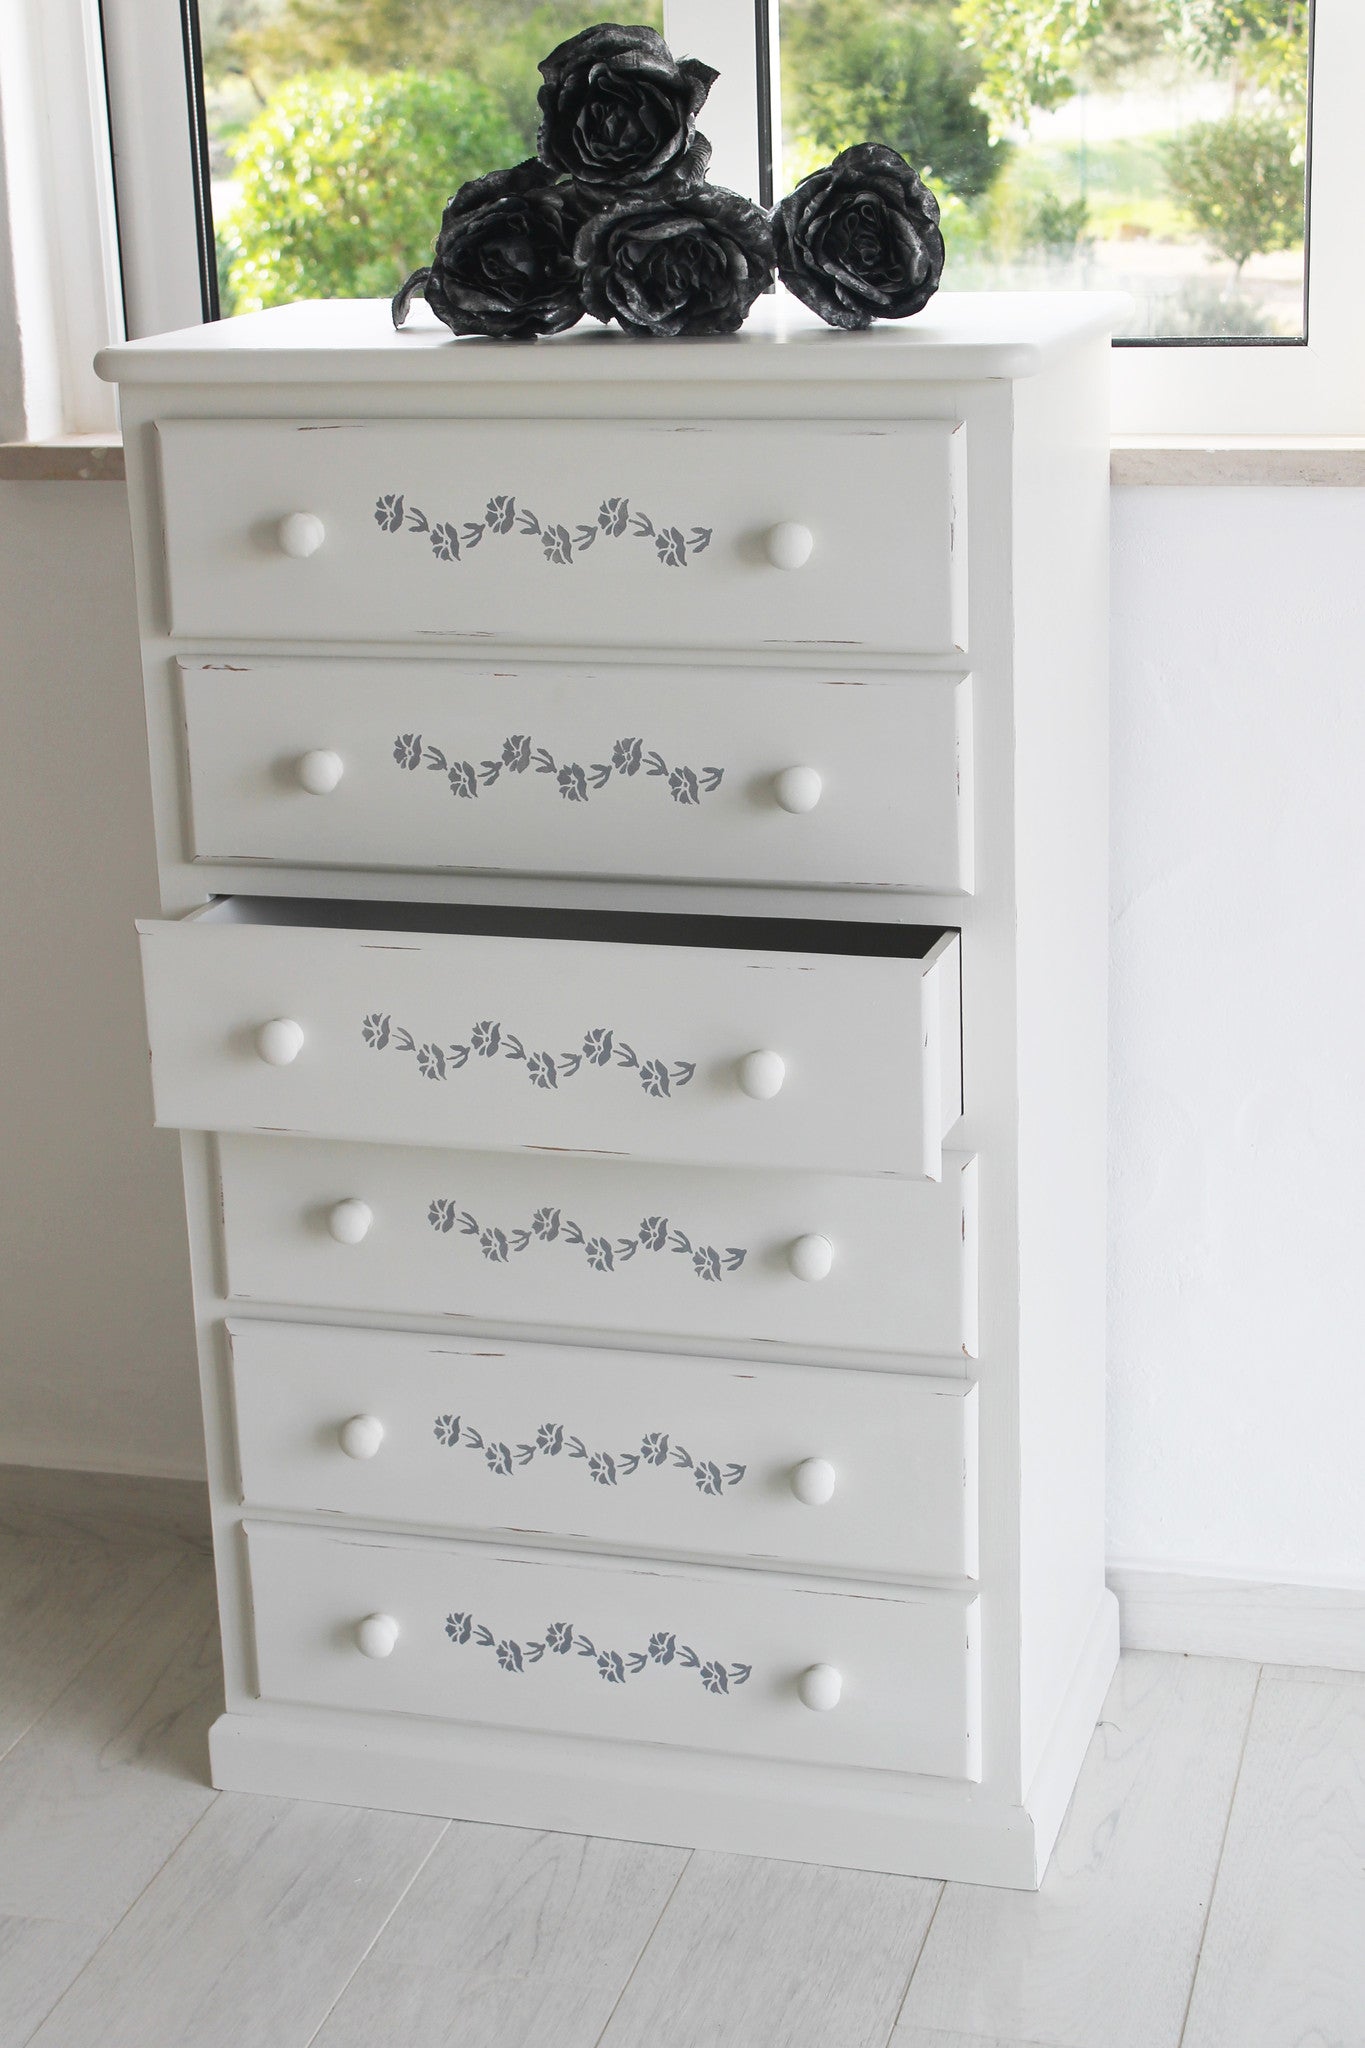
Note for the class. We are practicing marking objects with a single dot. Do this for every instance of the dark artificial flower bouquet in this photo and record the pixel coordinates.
(613, 216)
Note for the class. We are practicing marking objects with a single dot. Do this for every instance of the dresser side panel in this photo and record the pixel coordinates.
(1061, 802)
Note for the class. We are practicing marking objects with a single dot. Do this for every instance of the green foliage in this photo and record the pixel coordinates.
(498, 42)
(877, 71)
(1054, 223)
(1263, 44)
(1241, 183)
(342, 179)
(1030, 52)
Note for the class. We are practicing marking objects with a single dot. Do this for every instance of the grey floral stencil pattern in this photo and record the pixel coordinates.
(502, 515)
(562, 1639)
(488, 1041)
(604, 1468)
(603, 1253)
(572, 780)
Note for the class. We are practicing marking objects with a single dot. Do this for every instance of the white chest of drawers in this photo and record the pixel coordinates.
(632, 832)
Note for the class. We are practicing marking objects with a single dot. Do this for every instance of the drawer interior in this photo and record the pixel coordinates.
(613, 927)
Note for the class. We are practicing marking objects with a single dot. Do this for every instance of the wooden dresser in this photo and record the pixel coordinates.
(631, 822)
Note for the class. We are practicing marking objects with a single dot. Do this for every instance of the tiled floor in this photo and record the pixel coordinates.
(1208, 1889)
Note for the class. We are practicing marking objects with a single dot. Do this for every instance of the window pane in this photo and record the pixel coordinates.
(1155, 146)
(339, 128)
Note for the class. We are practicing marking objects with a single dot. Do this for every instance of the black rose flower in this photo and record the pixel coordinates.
(504, 263)
(617, 111)
(859, 241)
(691, 265)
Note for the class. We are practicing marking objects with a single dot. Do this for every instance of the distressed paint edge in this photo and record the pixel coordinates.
(1331, 463)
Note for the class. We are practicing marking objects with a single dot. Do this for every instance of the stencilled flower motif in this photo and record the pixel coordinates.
(715, 1677)
(626, 756)
(707, 1476)
(613, 516)
(545, 1224)
(543, 1070)
(662, 1646)
(654, 1233)
(612, 1667)
(509, 1656)
(498, 1459)
(389, 512)
(706, 1262)
(463, 780)
(516, 751)
(445, 542)
(500, 514)
(431, 1062)
(407, 750)
(671, 548)
(447, 1430)
(485, 1038)
(654, 1078)
(599, 1254)
(441, 1215)
(683, 788)
(559, 1637)
(602, 1468)
(558, 545)
(573, 783)
(375, 1030)
(550, 1439)
(654, 1448)
(459, 1627)
(493, 1245)
(597, 1047)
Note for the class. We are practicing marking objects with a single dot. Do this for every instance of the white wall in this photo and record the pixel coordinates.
(1237, 1395)
(1237, 1219)
(96, 1354)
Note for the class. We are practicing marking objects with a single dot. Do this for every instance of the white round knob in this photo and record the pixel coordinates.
(810, 1258)
(788, 544)
(280, 1042)
(361, 1436)
(812, 1481)
(320, 771)
(798, 790)
(761, 1074)
(376, 1635)
(349, 1221)
(300, 534)
(820, 1686)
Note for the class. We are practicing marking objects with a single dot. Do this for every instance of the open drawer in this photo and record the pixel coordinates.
(717, 1041)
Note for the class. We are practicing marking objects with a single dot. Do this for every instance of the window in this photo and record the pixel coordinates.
(1158, 145)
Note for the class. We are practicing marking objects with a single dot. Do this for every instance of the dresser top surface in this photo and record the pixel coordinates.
(960, 335)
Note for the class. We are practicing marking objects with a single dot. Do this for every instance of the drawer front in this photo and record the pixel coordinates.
(618, 1652)
(572, 533)
(569, 1245)
(552, 769)
(651, 1453)
(507, 1043)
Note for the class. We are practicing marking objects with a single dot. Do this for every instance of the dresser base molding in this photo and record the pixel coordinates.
(857, 1820)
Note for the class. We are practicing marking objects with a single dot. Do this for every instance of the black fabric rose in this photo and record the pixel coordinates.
(617, 111)
(504, 262)
(859, 241)
(689, 265)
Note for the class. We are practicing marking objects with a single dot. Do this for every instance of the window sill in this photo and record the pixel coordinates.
(1237, 459)
(1136, 459)
(71, 458)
